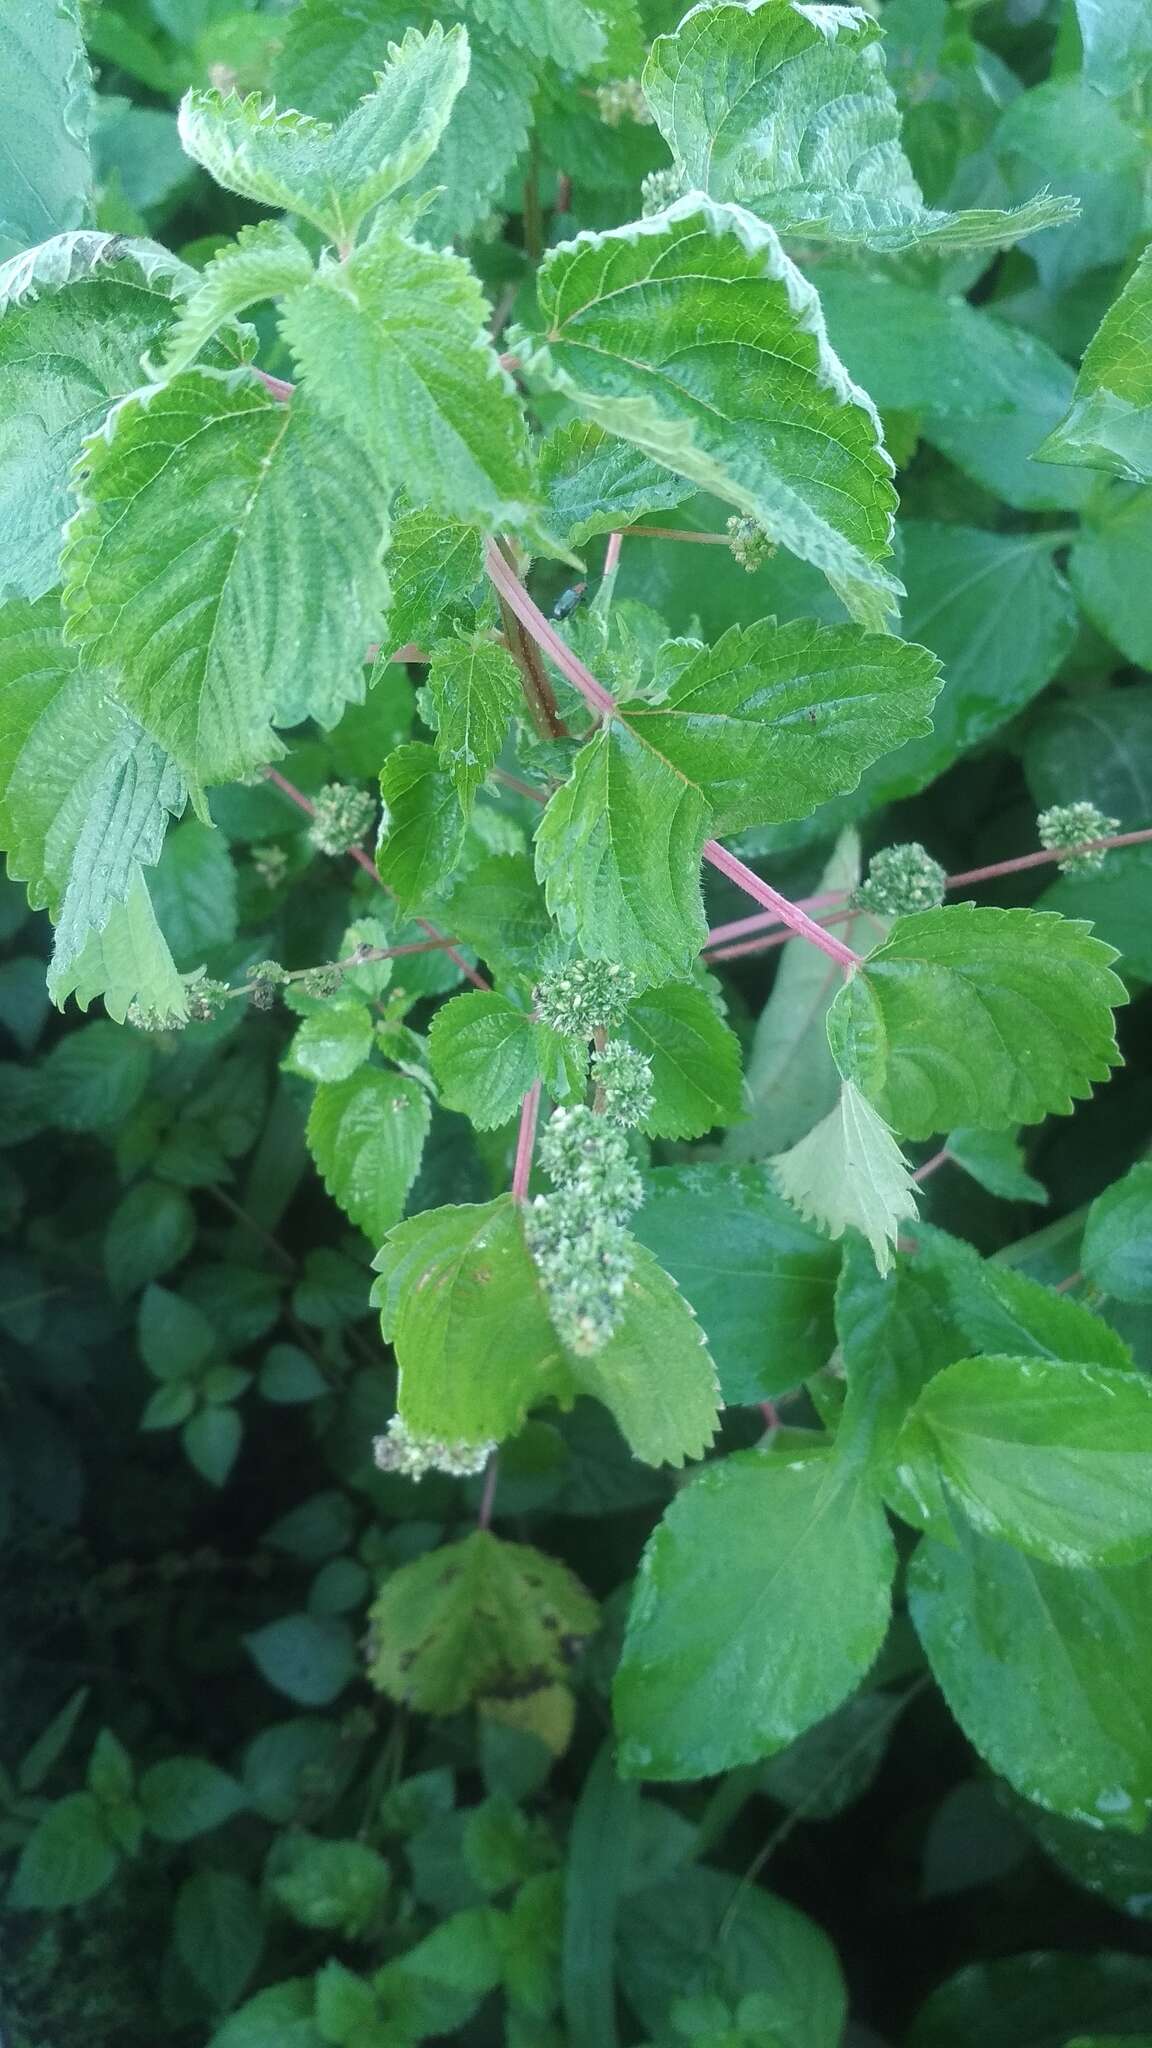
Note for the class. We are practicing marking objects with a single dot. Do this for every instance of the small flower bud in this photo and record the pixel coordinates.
(583, 1155)
(264, 980)
(624, 1078)
(901, 879)
(583, 997)
(750, 545)
(206, 998)
(271, 865)
(1069, 825)
(342, 816)
(321, 982)
(622, 99)
(658, 190)
(415, 1456)
(143, 1018)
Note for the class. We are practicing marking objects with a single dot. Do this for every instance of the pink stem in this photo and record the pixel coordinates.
(930, 1166)
(789, 914)
(612, 552)
(525, 1142)
(703, 540)
(278, 386)
(1046, 855)
(487, 1498)
(740, 927)
(1070, 1280)
(771, 1414)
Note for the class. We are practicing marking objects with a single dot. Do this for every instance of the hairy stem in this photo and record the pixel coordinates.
(525, 1143)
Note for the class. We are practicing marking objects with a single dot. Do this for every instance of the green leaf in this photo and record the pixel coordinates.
(1104, 568)
(696, 1073)
(395, 343)
(310, 1657)
(218, 1933)
(1117, 39)
(849, 1171)
(832, 1766)
(475, 690)
(760, 1280)
(95, 1077)
(1036, 1999)
(486, 1053)
(175, 1337)
(185, 1796)
(333, 175)
(288, 1376)
(1117, 1247)
(996, 1160)
(787, 109)
(498, 907)
(279, 2017)
(972, 1014)
(75, 318)
(149, 1231)
(45, 172)
(472, 1619)
(265, 261)
(654, 1374)
(366, 1135)
(895, 1333)
(240, 612)
(193, 892)
(462, 1305)
(563, 30)
(1062, 129)
(762, 1599)
(338, 1886)
(421, 826)
(1001, 1310)
(748, 425)
(85, 798)
(333, 1042)
(434, 563)
(212, 1440)
(618, 854)
(1053, 1457)
(1109, 423)
(593, 482)
(68, 1858)
(1048, 1671)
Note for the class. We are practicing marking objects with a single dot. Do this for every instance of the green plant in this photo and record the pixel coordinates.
(445, 574)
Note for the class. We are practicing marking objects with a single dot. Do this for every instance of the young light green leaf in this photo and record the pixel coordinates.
(189, 566)
(486, 1054)
(786, 108)
(746, 427)
(45, 102)
(85, 798)
(395, 343)
(461, 1302)
(654, 1374)
(696, 1075)
(1053, 1457)
(1117, 39)
(760, 1280)
(265, 261)
(333, 1042)
(366, 1134)
(593, 482)
(421, 824)
(333, 175)
(434, 563)
(1117, 1248)
(475, 688)
(762, 1599)
(1048, 1671)
(849, 1170)
(76, 316)
(1109, 424)
(996, 1160)
(972, 1014)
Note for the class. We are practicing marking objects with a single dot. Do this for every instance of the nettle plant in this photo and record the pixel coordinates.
(361, 491)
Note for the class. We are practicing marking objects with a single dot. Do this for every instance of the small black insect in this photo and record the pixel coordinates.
(566, 604)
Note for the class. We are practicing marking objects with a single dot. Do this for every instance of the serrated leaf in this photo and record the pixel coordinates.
(1053, 1457)
(593, 482)
(1000, 1310)
(849, 1171)
(696, 1069)
(188, 565)
(45, 169)
(333, 1042)
(563, 30)
(421, 825)
(194, 892)
(1117, 39)
(1117, 1247)
(475, 1618)
(95, 1077)
(475, 688)
(76, 316)
(499, 908)
(265, 261)
(218, 1933)
(186, 1796)
(654, 1374)
(333, 175)
(434, 562)
(786, 108)
(762, 1599)
(895, 1332)
(310, 1657)
(996, 1160)
(1063, 129)
(85, 797)
(621, 309)
(460, 1301)
(367, 1135)
(972, 1014)
(395, 343)
(1109, 423)
(486, 1054)
(1022, 1650)
(68, 1858)
(149, 1231)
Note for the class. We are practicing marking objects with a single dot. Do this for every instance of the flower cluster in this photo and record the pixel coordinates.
(1069, 825)
(321, 982)
(265, 980)
(658, 189)
(902, 879)
(623, 1079)
(414, 1456)
(206, 998)
(622, 99)
(583, 997)
(578, 1235)
(271, 864)
(750, 545)
(342, 816)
